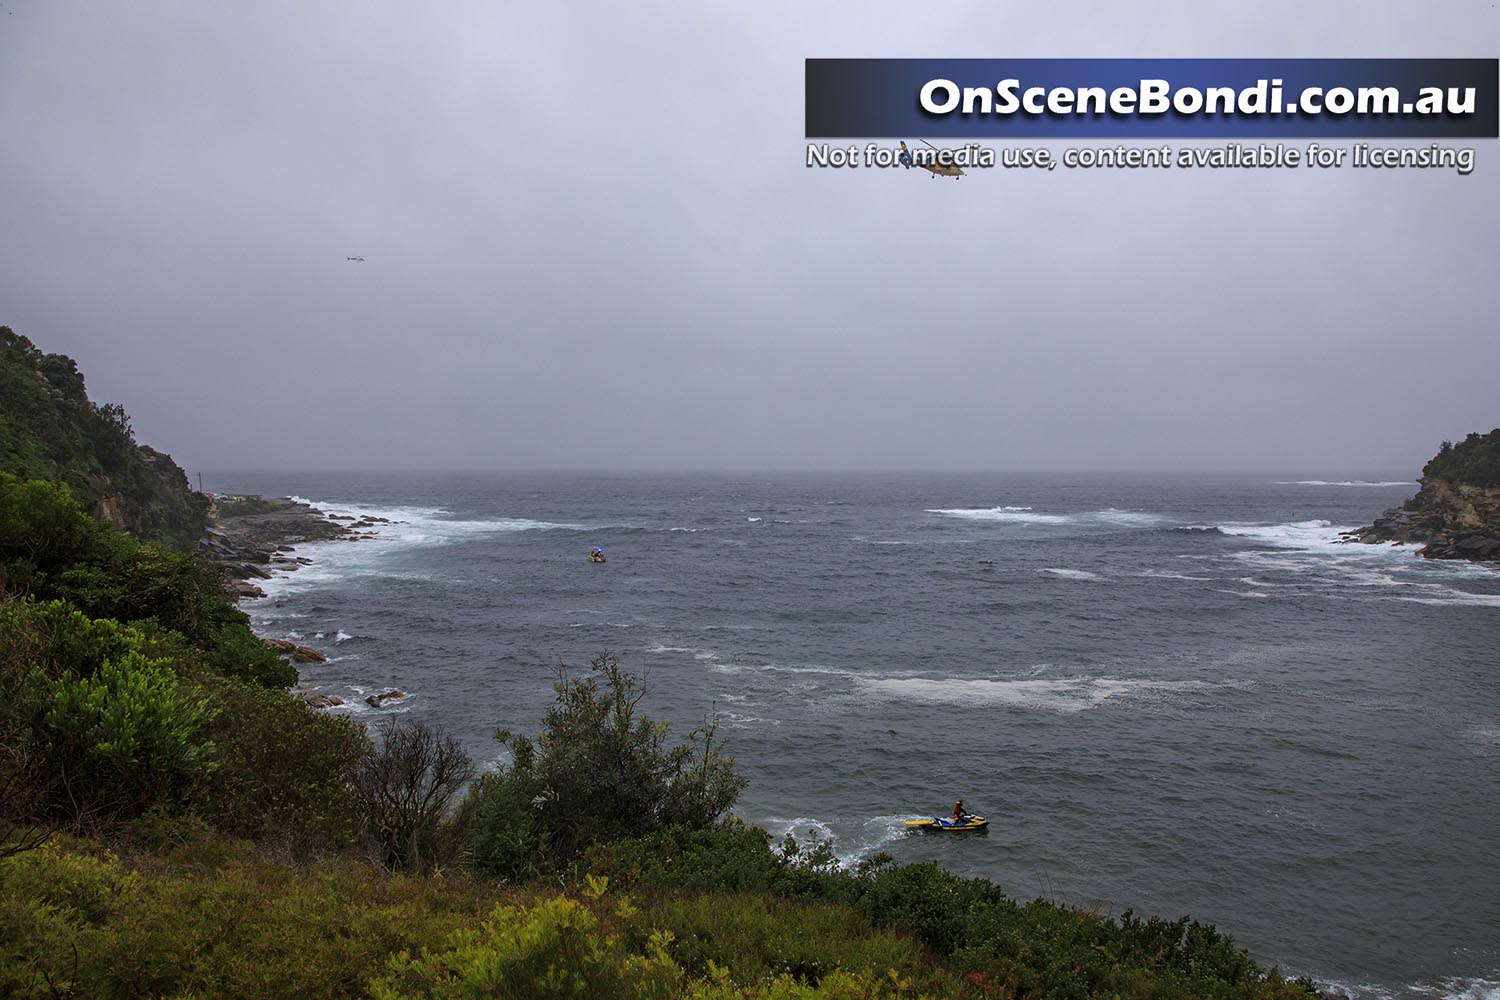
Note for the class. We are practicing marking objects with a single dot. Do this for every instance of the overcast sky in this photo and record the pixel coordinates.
(591, 239)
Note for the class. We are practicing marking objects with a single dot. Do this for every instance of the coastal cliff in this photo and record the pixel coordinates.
(51, 430)
(1456, 511)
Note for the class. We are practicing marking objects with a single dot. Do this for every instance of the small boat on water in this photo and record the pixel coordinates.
(948, 825)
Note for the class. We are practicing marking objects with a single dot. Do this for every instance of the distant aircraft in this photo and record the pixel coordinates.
(943, 164)
(360, 259)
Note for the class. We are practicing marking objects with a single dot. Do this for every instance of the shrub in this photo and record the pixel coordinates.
(118, 741)
(733, 857)
(97, 728)
(50, 549)
(1475, 459)
(556, 948)
(50, 430)
(598, 771)
(405, 788)
(284, 773)
(758, 938)
(505, 830)
(208, 916)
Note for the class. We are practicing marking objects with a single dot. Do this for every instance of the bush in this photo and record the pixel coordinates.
(1475, 459)
(599, 770)
(50, 549)
(117, 741)
(506, 834)
(733, 857)
(734, 948)
(756, 938)
(405, 788)
(223, 921)
(98, 725)
(50, 430)
(554, 948)
(284, 773)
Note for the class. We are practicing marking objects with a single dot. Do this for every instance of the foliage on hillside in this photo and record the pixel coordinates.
(177, 910)
(50, 430)
(599, 770)
(51, 550)
(1475, 459)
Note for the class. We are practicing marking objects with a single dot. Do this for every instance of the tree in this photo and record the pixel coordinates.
(118, 742)
(406, 786)
(599, 770)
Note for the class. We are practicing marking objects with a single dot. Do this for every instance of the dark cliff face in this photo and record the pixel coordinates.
(1456, 512)
(49, 429)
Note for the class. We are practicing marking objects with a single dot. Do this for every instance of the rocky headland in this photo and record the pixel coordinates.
(1456, 511)
(249, 536)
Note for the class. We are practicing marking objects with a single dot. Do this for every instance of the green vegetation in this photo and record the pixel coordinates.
(174, 823)
(599, 771)
(1475, 459)
(49, 430)
(51, 550)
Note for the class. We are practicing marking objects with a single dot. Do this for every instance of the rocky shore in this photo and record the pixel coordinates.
(246, 536)
(1456, 512)
(249, 536)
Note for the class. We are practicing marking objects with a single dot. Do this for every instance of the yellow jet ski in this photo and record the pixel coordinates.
(596, 556)
(951, 826)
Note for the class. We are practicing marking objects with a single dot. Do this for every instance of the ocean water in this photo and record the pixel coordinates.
(1177, 695)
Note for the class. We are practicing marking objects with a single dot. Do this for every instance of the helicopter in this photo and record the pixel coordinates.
(942, 164)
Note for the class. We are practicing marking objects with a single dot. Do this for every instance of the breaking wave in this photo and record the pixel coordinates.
(1165, 574)
(1455, 988)
(1293, 534)
(1026, 515)
(1346, 482)
(1064, 694)
(1070, 574)
(852, 840)
(389, 529)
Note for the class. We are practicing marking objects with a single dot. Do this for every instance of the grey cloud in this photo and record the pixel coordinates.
(591, 240)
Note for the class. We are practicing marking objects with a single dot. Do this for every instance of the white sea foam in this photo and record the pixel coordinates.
(1251, 581)
(1064, 694)
(1455, 988)
(437, 524)
(342, 636)
(1346, 482)
(806, 668)
(739, 721)
(1452, 596)
(1307, 547)
(1487, 735)
(1027, 516)
(1469, 989)
(1070, 574)
(1163, 574)
(1292, 534)
(407, 527)
(1016, 515)
(804, 828)
(852, 840)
